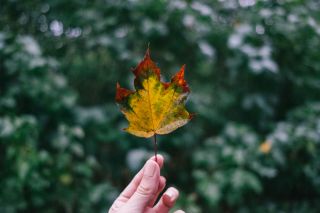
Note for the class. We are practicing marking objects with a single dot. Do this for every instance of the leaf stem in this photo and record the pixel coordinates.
(155, 146)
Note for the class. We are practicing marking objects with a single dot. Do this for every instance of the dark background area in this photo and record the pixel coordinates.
(254, 72)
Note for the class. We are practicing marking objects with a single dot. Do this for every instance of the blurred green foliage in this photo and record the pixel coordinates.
(254, 72)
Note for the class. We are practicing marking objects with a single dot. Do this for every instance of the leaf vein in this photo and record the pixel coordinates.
(150, 108)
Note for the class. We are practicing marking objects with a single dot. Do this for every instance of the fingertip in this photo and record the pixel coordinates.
(179, 211)
(170, 196)
(162, 183)
(167, 200)
(159, 159)
(163, 179)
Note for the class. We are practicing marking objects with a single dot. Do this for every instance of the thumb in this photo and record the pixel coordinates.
(147, 188)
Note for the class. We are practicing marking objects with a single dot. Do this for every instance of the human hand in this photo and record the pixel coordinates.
(142, 192)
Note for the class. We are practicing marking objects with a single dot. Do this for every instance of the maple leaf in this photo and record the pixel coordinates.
(155, 107)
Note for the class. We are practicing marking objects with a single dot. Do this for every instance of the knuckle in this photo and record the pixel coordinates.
(145, 190)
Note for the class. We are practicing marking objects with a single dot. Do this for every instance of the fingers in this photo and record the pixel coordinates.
(167, 201)
(133, 185)
(147, 188)
(162, 184)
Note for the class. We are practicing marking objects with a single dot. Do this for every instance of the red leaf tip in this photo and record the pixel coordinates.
(122, 93)
(146, 64)
(179, 79)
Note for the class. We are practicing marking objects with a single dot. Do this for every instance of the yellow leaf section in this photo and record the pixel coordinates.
(155, 109)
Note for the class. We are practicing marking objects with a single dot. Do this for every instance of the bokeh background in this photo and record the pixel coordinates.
(253, 67)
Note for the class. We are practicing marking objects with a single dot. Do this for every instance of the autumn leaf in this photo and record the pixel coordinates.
(265, 147)
(155, 107)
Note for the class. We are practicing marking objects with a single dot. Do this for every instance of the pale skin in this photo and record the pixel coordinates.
(144, 189)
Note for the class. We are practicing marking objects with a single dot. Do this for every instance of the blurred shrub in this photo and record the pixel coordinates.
(295, 152)
(44, 166)
(228, 167)
(234, 166)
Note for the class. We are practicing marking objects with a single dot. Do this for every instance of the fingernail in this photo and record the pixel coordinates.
(169, 193)
(170, 196)
(150, 169)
